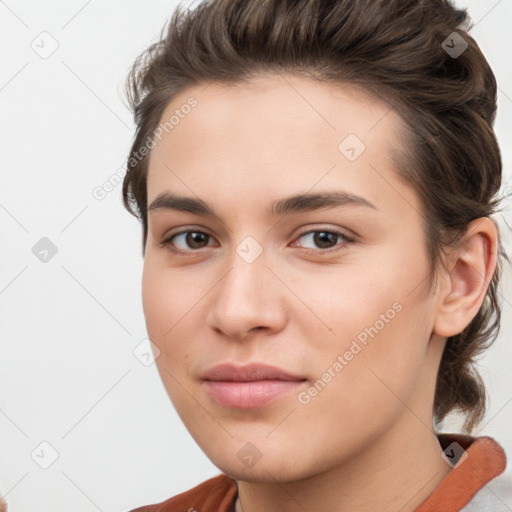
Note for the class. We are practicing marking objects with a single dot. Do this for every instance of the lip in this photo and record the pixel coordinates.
(248, 373)
(249, 386)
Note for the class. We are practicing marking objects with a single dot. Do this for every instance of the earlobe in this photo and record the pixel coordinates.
(467, 278)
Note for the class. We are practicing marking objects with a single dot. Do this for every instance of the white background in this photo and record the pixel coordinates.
(68, 327)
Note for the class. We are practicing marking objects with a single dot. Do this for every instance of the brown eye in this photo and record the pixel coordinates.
(195, 239)
(186, 241)
(324, 239)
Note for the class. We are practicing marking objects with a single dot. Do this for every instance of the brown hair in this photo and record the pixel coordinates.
(399, 50)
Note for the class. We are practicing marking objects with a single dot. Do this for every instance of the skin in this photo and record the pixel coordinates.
(366, 441)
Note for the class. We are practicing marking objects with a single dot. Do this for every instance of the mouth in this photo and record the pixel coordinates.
(250, 386)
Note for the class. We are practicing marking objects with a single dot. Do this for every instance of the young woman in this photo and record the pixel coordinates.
(316, 183)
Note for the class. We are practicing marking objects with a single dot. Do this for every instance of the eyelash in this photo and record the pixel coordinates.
(346, 241)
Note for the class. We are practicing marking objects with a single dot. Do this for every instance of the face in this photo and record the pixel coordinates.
(333, 291)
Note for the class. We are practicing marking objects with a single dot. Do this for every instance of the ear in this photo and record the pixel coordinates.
(467, 278)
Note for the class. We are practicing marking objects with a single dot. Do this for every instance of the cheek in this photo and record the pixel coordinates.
(388, 366)
(372, 316)
(361, 387)
(345, 300)
(173, 303)
(166, 298)
(155, 302)
(165, 303)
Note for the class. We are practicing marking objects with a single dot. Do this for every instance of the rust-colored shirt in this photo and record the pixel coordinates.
(482, 461)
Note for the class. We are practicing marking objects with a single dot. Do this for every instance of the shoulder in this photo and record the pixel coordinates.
(477, 481)
(496, 495)
(217, 494)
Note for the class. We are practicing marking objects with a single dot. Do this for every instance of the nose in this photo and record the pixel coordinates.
(248, 299)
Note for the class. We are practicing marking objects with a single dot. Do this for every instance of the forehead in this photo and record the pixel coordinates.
(270, 103)
(272, 132)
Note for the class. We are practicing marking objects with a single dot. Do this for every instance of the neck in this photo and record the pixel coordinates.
(396, 472)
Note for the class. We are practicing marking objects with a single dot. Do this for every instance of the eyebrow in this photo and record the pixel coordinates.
(293, 204)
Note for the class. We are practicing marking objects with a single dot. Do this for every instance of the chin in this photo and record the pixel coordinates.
(268, 469)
